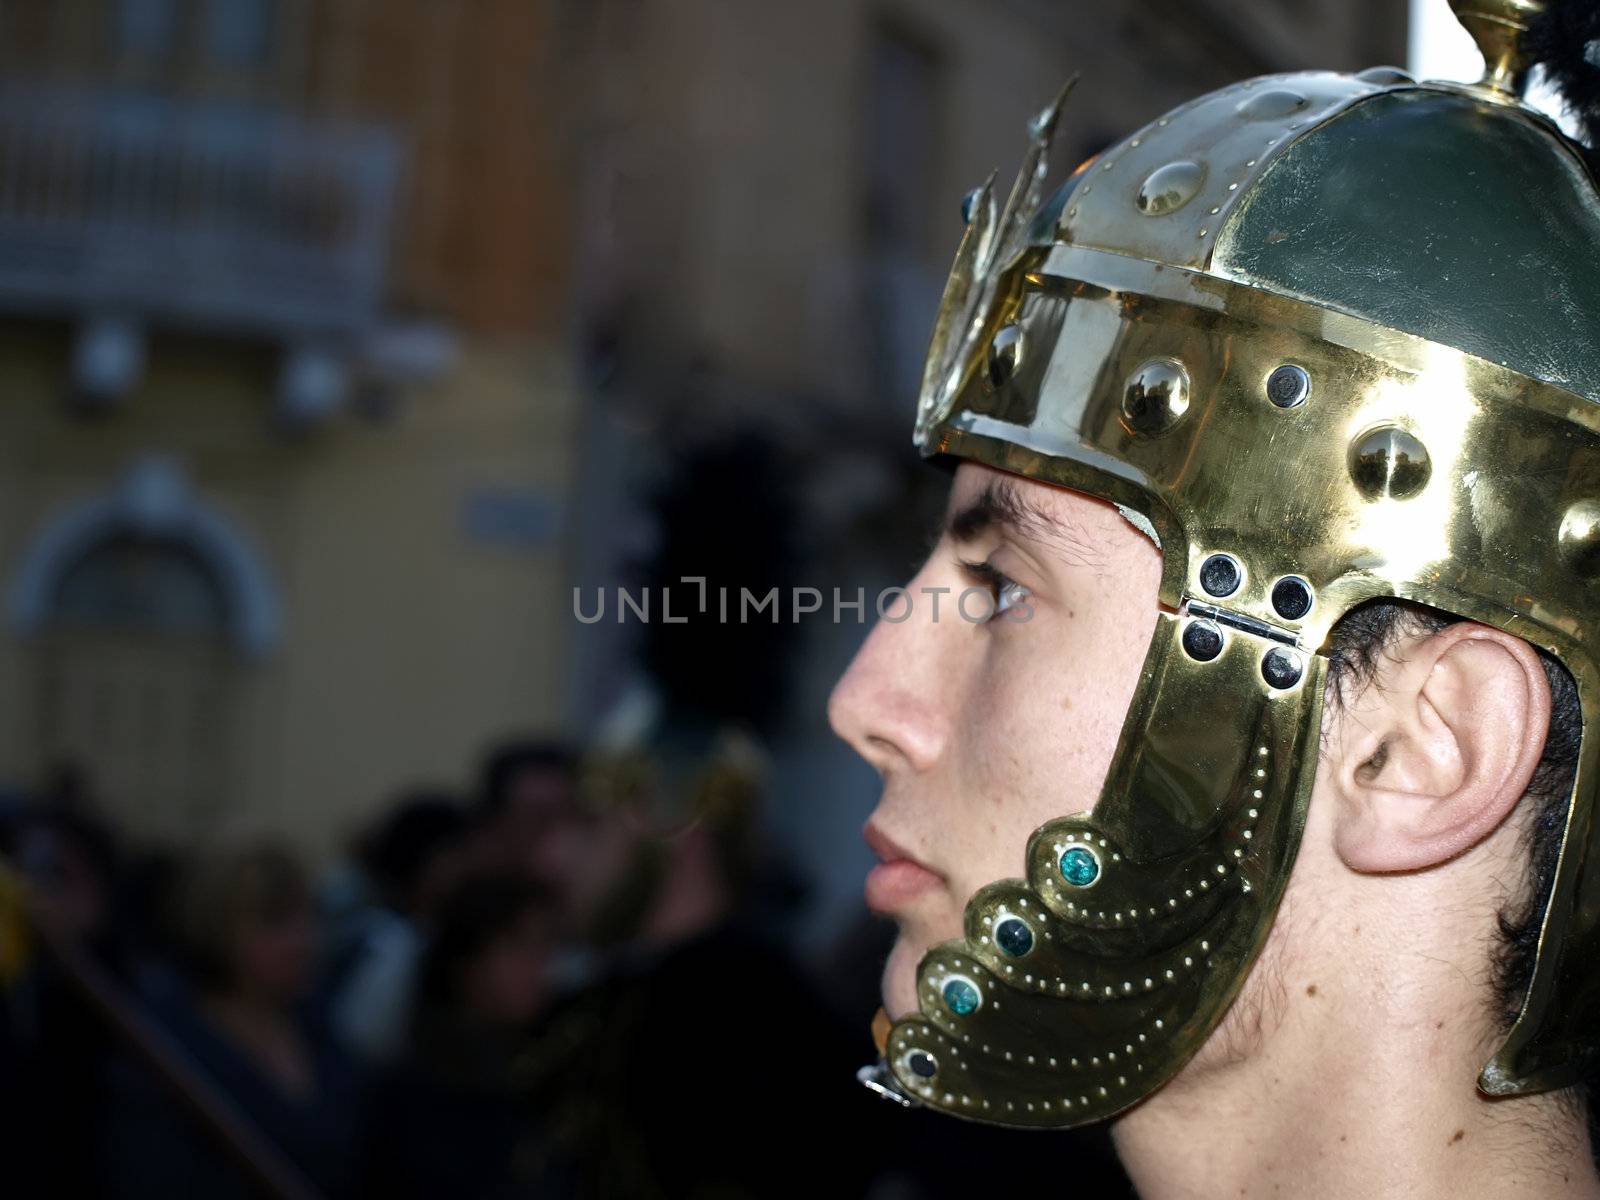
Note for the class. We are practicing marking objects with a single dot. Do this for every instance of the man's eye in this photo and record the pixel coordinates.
(1009, 596)
(1007, 593)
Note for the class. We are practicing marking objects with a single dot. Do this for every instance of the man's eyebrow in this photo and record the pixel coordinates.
(1001, 506)
(998, 506)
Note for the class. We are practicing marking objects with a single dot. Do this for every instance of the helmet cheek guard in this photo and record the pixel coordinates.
(1157, 335)
(1080, 989)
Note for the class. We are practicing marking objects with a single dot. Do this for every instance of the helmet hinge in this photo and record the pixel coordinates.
(1243, 622)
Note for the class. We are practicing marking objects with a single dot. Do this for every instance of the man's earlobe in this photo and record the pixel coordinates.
(1440, 747)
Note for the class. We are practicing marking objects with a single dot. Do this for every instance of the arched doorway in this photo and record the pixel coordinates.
(144, 607)
(134, 684)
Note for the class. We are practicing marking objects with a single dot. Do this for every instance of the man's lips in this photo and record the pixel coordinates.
(898, 879)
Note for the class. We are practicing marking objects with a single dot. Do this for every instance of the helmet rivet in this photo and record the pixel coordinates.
(1281, 668)
(1384, 76)
(923, 1065)
(1221, 575)
(1288, 386)
(1156, 396)
(1202, 640)
(1291, 598)
(1013, 936)
(1005, 354)
(1169, 188)
(1268, 106)
(1389, 462)
(1579, 537)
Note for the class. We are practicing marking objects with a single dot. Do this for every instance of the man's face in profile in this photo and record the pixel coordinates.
(982, 730)
(1377, 971)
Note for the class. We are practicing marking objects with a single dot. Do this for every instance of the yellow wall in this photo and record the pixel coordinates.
(406, 643)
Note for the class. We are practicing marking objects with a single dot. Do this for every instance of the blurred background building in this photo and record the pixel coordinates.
(286, 431)
(347, 348)
(342, 339)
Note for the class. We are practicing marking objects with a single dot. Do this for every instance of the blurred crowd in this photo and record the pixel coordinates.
(497, 995)
(570, 984)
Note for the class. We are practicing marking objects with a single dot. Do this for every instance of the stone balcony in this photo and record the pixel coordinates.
(129, 213)
(248, 222)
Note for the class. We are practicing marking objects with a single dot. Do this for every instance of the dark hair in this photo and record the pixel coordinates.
(472, 917)
(399, 847)
(1355, 645)
(511, 759)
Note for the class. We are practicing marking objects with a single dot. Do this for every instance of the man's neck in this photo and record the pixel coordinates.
(1345, 1087)
(1284, 1141)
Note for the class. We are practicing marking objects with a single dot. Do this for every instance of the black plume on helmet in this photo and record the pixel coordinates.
(1565, 41)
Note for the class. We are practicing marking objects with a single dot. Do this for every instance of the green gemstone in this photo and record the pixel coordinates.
(961, 996)
(1013, 936)
(1079, 866)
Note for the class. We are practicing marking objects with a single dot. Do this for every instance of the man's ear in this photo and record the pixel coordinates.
(1439, 747)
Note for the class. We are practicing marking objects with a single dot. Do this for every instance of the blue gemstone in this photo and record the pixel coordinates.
(962, 996)
(1013, 936)
(1079, 866)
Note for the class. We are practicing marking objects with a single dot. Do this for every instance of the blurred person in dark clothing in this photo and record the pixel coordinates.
(532, 820)
(667, 876)
(67, 861)
(526, 786)
(71, 859)
(247, 932)
(654, 1097)
(408, 860)
(458, 1116)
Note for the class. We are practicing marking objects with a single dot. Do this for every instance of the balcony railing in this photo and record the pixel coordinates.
(179, 213)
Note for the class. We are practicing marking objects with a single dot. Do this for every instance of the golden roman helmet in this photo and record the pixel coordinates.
(1327, 338)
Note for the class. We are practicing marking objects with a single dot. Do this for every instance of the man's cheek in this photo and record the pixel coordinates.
(1021, 768)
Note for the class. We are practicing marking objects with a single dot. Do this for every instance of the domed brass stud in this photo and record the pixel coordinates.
(1270, 105)
(1169, 188)
(1389, 462)
(1005, 354)
(1578, 539)
(1384, 76)
(1156, 396)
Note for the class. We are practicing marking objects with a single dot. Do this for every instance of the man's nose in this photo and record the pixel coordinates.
(889, 704)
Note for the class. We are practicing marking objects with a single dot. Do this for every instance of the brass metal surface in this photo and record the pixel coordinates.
(1126, 975)
(1425, 209)
(1414, 205)
(1497, 26)
(1156, 397)
(995, 235)
(1185, 172)
(1411, 470)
